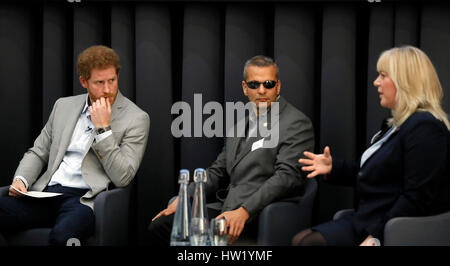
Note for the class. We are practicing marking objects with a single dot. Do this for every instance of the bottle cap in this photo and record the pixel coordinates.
(200, 175)
(184, 176)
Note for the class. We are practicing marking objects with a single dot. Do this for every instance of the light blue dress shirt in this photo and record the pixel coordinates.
(377, 145)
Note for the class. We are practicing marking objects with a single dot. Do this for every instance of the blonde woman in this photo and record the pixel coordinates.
(406, 170)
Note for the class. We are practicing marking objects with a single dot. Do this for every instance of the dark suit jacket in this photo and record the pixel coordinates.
(408, 176)
(257, 178)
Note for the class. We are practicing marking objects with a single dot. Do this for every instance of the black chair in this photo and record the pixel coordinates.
(111, 222)
(280, 221)
(414, 231)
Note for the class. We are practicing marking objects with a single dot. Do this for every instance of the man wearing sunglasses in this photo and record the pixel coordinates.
(249, 174)
(261, 85)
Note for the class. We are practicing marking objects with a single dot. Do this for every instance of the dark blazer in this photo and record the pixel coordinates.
(408, 176)
(259, 177)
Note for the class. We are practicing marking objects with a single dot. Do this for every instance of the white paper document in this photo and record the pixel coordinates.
(38, 194)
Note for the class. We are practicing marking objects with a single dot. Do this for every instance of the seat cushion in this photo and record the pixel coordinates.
(31, 237)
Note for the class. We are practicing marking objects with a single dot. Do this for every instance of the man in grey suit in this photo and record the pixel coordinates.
(90, 141)
(253, 171)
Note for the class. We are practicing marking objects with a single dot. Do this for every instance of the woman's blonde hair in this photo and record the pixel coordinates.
(416, 81)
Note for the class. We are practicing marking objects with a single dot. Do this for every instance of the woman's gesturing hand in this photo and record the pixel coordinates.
(317, 164)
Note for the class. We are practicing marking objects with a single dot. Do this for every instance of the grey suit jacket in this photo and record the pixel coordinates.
(257, 178)
(114, 159)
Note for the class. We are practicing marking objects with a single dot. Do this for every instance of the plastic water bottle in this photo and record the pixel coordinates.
(199, 220)
(181, 221)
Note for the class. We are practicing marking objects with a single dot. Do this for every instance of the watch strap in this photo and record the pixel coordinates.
(101, 130)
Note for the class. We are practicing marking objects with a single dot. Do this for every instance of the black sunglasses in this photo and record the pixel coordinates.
(268, 84)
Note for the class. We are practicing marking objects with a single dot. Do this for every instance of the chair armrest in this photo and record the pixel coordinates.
(418, 231)
(111, 216)
(280, 221)
(342, 213)
(4, 191)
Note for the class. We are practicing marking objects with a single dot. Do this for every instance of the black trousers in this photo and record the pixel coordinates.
(160, 229)
(67, 217)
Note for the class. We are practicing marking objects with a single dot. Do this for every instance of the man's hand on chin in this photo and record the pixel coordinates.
(100, 112)
(235, 221)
